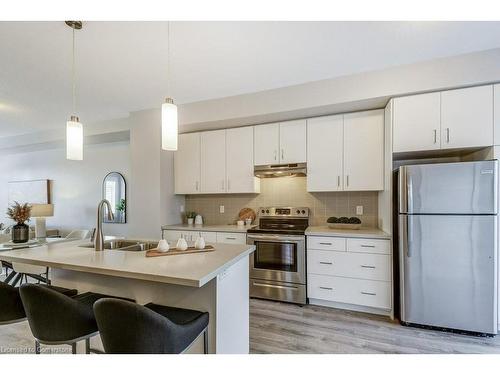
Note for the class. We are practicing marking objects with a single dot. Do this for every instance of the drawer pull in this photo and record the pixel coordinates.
(325, 288)
(363, 266)
(329, 263)
(371, 246)
(230, 238)
(326, 243)
(369, 294)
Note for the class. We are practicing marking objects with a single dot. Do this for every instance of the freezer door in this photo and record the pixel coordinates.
(448, 271)
(450, 188)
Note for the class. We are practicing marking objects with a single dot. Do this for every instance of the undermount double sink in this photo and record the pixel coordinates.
(125, 245)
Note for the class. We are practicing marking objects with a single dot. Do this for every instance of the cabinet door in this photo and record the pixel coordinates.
(417, 123)
(239, 161)
(467, 117)
(364, 150)
(292, 142)
(187, 164)
(266, 144)
(213, 162)
(325, 138)
(496, 114)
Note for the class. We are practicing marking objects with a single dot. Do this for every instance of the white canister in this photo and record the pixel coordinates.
(198, 220)
(240, 223)
(200, 243)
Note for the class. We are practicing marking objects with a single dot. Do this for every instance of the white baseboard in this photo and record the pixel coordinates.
(346, 306)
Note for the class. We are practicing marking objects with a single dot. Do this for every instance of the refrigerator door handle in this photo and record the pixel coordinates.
(403, 253)
(403, 190)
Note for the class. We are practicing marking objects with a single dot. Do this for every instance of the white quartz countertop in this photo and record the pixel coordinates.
(188, 269)
(358, 233)
(209, 228)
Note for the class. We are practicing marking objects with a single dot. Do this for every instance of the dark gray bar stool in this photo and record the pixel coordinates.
(56, 319)
(11, 306)
(129, 328)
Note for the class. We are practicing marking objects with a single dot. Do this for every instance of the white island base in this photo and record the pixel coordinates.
(225, 298)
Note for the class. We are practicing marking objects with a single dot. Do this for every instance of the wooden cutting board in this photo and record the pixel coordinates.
(246, 213)
(173, 251)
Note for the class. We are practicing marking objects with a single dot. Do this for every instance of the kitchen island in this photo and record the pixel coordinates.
(216, 282)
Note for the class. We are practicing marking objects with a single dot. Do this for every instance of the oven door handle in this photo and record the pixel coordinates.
(276, 238)
(276, 286)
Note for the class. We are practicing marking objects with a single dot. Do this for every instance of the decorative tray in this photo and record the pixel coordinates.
(344, 226)
(173, 251)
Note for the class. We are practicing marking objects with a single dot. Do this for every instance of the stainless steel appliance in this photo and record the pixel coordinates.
(280, 170)
(448, 245)
(278, 265)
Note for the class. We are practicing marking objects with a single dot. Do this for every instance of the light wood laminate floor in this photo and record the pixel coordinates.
(285, 328)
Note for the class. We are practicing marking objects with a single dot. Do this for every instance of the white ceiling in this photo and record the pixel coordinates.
(121, 66)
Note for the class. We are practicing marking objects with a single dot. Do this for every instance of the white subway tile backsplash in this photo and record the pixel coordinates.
(286, 191)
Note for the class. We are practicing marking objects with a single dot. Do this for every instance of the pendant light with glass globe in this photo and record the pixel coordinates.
(169, 121)
(74, 128)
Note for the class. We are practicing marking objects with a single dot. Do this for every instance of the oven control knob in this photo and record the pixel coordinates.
(298, 212)
(303, 212)
(262, 211)
(267, 211)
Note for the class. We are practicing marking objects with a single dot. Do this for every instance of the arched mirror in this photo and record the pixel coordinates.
(114, 189)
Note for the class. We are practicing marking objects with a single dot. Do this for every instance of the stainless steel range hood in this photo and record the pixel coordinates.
(280, 170)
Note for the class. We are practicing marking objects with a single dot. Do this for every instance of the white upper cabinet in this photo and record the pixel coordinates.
(266, 144)
(292, 142)
(364, 150)
(417, 122)
(442, 120)
(187, 164)
(239, 161)
(213, 162)
(467, 117)
(325, 138)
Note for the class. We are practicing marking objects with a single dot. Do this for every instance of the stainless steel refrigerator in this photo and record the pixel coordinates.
(448, 245)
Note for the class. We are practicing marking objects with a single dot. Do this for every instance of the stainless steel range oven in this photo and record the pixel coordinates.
(278, 265)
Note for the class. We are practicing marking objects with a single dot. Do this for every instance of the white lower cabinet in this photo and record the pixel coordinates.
(235, 238)
(210, 237)
(351, 273)
(376, 294)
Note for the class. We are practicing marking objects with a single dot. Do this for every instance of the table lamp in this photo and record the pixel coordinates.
(40, 212)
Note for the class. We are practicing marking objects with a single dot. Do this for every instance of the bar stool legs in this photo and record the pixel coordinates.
(37, 347)
(205, 341)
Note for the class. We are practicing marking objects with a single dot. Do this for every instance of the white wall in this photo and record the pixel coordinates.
(76, 186)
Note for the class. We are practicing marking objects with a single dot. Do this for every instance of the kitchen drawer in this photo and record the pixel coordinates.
(227, 237)
(353, 291)
(362, 245)
(209, 236)
(173, 235)
(354, 265)
(326, 243)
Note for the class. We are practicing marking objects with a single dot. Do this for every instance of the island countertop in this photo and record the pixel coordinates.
(189, 269)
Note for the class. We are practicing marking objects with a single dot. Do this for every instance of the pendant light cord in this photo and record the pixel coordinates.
(168, 58)
(73, 75)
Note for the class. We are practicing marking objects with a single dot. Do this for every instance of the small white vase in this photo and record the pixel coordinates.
(181, 244)
(200, 243)
(190, 221)
(163, 246)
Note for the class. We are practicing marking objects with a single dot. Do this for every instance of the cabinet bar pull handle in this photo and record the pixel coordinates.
(196, 185)
(325, 243)
(325, 263)
(274, 154)
(369, 294)
(447, 135)
(372, 246)
(347, 180)
(325, 288)
(230, 238)
(435, 135)
(363, 266)
(282, 154)
(338, 181)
